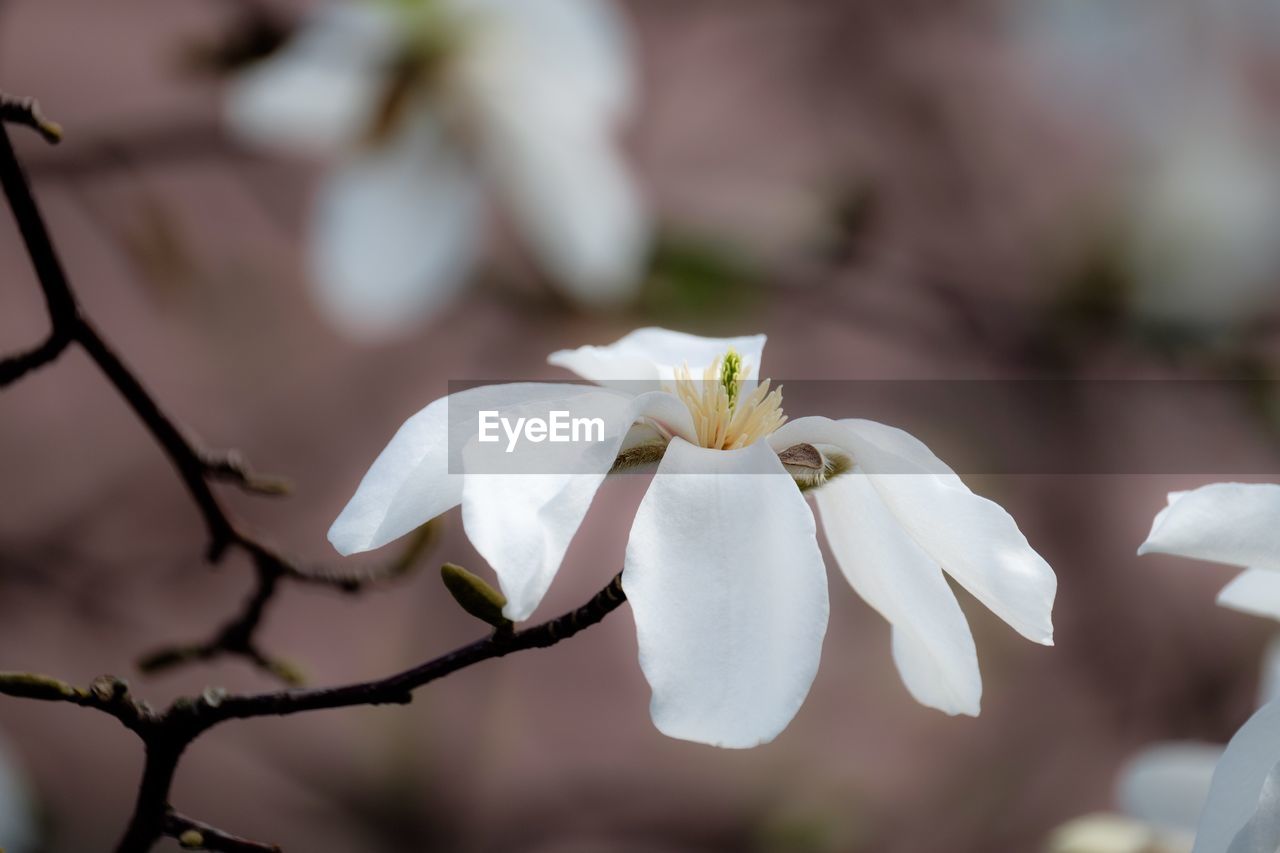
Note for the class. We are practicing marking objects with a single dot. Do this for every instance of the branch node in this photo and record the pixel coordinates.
(26, 112)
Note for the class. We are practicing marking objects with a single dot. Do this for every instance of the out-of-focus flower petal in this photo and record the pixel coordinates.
(729, 593)
(1241, 812)
(410, 482)
(394, 232)
(1269, 680)
(319, 93)
(972, 538)
(1233, 523)
(567, 185)
(1255, 591)
(582, 45)
(1104, 833)
(19, 831)
(932, 645)
(652, 355)
(544, 82)
(1203, 248)
(1166, 785)
(522, 519)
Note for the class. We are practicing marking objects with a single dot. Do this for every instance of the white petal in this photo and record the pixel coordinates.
(522, 522)
(1255, 591)
(729, 594)
(932, 645)
(973, 539)
(394, 232)
(547, 127)
(410, 482)
(1166, 785)
(19, 824)
(1239, 815)
(1269, 680)
(1232, 523)
(576, 202)
(320, 91)
(651, 355)
(581, 45)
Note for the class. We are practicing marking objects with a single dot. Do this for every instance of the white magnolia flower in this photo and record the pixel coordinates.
(1203, 220)
(421, 102)
(1234, 523)
(1173, 81)
(722, 569)
(1160, 792)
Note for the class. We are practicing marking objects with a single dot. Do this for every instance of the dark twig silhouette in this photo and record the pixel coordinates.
(166, 734)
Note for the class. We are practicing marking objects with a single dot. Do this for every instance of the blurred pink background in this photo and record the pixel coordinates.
(760, 120)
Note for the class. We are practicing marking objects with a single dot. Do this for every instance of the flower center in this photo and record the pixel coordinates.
(723, 418)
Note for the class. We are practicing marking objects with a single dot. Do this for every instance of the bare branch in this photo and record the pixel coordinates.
(196, 466)
(192, 834)
(236, 638)
(26, 112)
(398, 689)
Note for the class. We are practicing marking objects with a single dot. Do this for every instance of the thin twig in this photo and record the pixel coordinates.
(26, 112)
(237, 637)
(398, 689)
(196, 466)
(166, 735)
(192, 834)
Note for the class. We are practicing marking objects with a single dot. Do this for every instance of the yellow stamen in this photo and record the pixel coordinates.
(723, 419)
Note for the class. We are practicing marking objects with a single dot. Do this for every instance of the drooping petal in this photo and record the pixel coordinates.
(319, 93)
(1167, 784)
(932, 645)
(729, 593)
(1233, 523)
(1241, 812)
(1269, 680)
(972, 538)
(524, 507)
(411, 481)
(571, 193)
(652, 355)
(582, 44)
(544, 83)
(1255, 591)
(394, 232)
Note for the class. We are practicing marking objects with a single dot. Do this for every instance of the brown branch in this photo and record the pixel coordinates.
(26, 112)
(194, 835)
(196, 466)
(236, 638)
(166, 735)
(107, 694)
(398, 689)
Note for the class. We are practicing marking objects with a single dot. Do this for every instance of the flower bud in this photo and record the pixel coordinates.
(474, 595)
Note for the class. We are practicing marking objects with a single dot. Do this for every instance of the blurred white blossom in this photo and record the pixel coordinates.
(722, 569)
(1172, 81)
(19, 830)
(1232, 523)
(422, 103)
(1235, 523)
(1161, 793)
